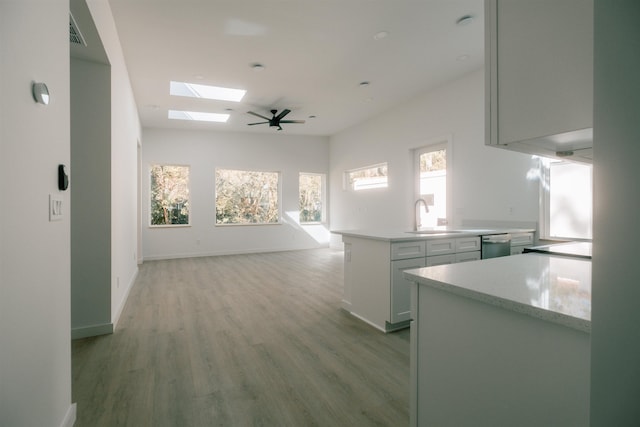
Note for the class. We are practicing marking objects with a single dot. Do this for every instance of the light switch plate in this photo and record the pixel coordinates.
(56, 211)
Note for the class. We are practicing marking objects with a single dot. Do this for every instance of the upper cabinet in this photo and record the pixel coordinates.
(539, 76)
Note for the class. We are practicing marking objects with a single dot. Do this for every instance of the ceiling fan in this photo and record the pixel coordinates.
(274, 121)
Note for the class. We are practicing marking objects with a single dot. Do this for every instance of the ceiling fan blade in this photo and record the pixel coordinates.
(283, 113)
(291, 121)
(259, 123)
(258, 115)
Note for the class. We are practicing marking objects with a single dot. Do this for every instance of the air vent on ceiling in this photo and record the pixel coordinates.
(75, 36)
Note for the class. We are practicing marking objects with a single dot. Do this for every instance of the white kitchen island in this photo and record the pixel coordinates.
(501, 342)
(375, 290)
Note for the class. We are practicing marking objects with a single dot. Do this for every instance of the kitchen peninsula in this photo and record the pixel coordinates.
(375, 290)
(503, 341)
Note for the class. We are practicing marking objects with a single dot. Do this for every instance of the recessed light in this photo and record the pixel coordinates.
(257, 67)
(465, 20)
(205, 91)
(380, 35)
(364, 84)
(312, 116)
(198, 116)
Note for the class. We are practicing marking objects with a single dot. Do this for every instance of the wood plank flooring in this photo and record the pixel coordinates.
(242, 340)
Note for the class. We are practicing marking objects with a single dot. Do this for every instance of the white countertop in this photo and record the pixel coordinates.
(556, 289)
(439, 233)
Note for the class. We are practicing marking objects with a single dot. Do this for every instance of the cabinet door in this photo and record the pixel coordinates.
(539, 59)
(468, 244)
(440, 246)
(401, 289)
(521, 239)
(468, 256)
(441, 260)
(405, 250)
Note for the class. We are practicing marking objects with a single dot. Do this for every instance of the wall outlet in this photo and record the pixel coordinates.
(56, 211)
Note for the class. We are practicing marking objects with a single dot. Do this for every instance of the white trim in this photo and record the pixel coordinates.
(433, 144)
(368, 322)
(115, 317)
(70, 417)
(234, 252)
(91, 331)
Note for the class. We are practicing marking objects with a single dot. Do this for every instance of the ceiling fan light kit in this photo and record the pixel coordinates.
(275, 120)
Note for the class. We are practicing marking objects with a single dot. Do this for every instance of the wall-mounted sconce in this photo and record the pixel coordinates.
(40, 93)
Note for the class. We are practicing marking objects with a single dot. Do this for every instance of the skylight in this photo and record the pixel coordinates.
(204, 91)
(199, 116)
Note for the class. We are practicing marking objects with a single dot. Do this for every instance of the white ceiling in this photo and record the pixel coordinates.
(315, 53)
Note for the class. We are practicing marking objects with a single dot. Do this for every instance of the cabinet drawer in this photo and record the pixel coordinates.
(468, 256)
(523, 239)
(441, 260)
(441, 246)
(468, 244)
(405, 250)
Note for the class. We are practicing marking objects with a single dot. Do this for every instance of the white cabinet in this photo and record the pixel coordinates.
(519, 241)
(401, 288)
(468, 256)
(440, 247)
(441, 260)
(539, 76)
(405, 250)
(476, 364)
(374, 287)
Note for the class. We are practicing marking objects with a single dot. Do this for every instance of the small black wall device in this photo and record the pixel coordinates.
(63, 178)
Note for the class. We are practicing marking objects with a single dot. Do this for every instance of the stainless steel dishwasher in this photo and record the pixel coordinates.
(496, 245)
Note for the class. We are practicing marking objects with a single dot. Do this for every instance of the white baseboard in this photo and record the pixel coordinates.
(380, 328)
(70, 417)
(115, 317)
(91, 331)
(159, 257)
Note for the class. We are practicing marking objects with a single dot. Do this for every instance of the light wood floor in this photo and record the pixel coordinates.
(242, 340)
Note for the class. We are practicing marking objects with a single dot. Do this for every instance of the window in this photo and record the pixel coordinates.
(369, 177)
(169, 195)
(311, 193)
(247, 197)
(431, 184)
(567, 202)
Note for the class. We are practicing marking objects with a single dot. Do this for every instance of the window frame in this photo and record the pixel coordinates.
(347, 182)
(149, 217)
(545, 201)
(279, 220)
(435, 144)
(323, 198)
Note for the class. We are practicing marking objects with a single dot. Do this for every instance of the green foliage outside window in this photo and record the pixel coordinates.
(433, 161)
(169, 195)
(246, 197)
(310, 188)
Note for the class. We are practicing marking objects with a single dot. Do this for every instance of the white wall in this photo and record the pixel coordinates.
(35, 347)
(615, 340)
(488, 183)
(91, 210)
(204, 151)
(125, 134)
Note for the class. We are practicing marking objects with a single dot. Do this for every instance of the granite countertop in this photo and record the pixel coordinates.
(436, 233)
(551, 288)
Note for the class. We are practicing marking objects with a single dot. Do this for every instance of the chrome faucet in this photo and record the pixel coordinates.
(416, 223)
